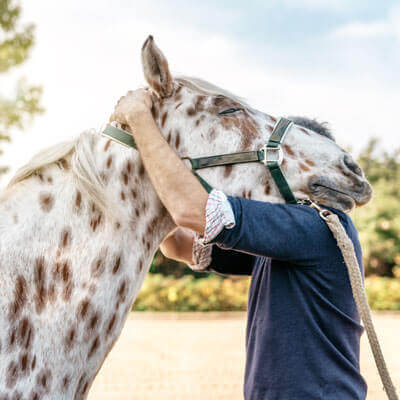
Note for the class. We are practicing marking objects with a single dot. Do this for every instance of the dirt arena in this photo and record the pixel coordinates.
(201, 356)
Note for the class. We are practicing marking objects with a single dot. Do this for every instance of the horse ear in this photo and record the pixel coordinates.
(156, 70)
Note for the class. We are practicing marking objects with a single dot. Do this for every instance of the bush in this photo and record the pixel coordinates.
(214, 293)
(383, 293)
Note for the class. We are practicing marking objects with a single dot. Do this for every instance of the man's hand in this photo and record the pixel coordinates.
(176, 186)
(132, 107)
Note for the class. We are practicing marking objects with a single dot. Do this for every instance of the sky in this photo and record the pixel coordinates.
(334, 60)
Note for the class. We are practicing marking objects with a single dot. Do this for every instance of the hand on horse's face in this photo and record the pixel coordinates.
(132, 107)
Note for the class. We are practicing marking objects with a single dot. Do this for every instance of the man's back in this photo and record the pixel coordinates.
(303, 327)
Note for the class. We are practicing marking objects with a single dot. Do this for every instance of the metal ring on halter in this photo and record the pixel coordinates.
(266, 149)
(324, 214)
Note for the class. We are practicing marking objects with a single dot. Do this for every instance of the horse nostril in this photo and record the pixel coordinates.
(352, 165)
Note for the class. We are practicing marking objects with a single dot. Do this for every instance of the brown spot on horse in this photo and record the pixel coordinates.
(33, 363)
(289, 150)
(23, 362)
(117, 265)
(64, 163)
(40, 296)
(12, 374)
(46, 201)
(20, 298)
(305, 131)
(154, 111)
(164, 118)
(177, 140)
(67, 291)
(304, 167)
(111, 324)
(109, 161)
(69, 339)
(78, 199)
(94, 346)
(83, 308)
(65, 382)
(228, 171)
(43, 380)
(97, 267)
(191, 111)
(106, 147)
(25, 333)
(65, 240)
(93, 322)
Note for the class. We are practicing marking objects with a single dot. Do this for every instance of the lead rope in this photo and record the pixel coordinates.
(350, 259)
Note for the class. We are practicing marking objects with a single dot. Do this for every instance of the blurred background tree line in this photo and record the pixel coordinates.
(16, 41)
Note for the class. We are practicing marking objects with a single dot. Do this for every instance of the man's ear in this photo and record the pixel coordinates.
(156, 70)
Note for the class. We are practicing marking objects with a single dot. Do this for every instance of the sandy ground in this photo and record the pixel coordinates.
(201, 356)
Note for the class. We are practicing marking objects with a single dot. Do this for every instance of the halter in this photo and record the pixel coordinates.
(271, 155)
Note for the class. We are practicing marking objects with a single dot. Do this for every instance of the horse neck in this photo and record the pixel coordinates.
(75, 271)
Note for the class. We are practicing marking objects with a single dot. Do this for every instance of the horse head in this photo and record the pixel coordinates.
(200, 119)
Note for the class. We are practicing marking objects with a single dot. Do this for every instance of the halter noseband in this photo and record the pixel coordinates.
(272, 148)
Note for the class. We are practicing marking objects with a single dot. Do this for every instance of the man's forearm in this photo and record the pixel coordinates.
(178, 245)
(178, 189)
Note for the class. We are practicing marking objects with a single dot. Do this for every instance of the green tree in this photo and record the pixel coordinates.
(379, 221)
(16, 42)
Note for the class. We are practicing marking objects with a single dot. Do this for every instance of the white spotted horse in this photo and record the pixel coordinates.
(80, 223)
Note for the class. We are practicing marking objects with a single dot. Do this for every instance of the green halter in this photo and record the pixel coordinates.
(273, 147)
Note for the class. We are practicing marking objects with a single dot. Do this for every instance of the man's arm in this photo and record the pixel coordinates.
(178, 245)
(285, 232)
(178, 189)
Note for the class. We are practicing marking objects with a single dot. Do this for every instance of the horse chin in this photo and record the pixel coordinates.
(339, 201)
(325, 192)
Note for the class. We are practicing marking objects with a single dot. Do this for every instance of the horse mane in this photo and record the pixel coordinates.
(83, 167)
(208, 88)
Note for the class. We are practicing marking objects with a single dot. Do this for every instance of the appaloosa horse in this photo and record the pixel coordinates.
(80, 223)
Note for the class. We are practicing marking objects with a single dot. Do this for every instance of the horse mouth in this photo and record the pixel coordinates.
(328, 192)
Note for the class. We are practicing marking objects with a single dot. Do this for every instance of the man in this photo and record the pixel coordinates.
(303, 327)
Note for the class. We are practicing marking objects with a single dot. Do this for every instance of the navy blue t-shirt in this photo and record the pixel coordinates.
(303, 328)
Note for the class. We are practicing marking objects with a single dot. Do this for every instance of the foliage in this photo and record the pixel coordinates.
(15, 44)
(383, 293)
(379, 221)
(214, 293)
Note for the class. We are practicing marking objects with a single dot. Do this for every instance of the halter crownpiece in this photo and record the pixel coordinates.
(271, 155)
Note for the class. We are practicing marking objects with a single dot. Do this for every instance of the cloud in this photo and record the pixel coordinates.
(389, 27)
(363, 30)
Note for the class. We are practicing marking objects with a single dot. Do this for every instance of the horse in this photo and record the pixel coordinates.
(81, 221)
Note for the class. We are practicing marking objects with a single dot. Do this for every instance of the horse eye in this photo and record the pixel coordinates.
(230, 111)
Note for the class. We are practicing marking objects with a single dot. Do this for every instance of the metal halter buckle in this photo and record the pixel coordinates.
(278, 155)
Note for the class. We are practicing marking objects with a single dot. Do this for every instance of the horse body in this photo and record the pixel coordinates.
(80, 223)
(69, 272)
